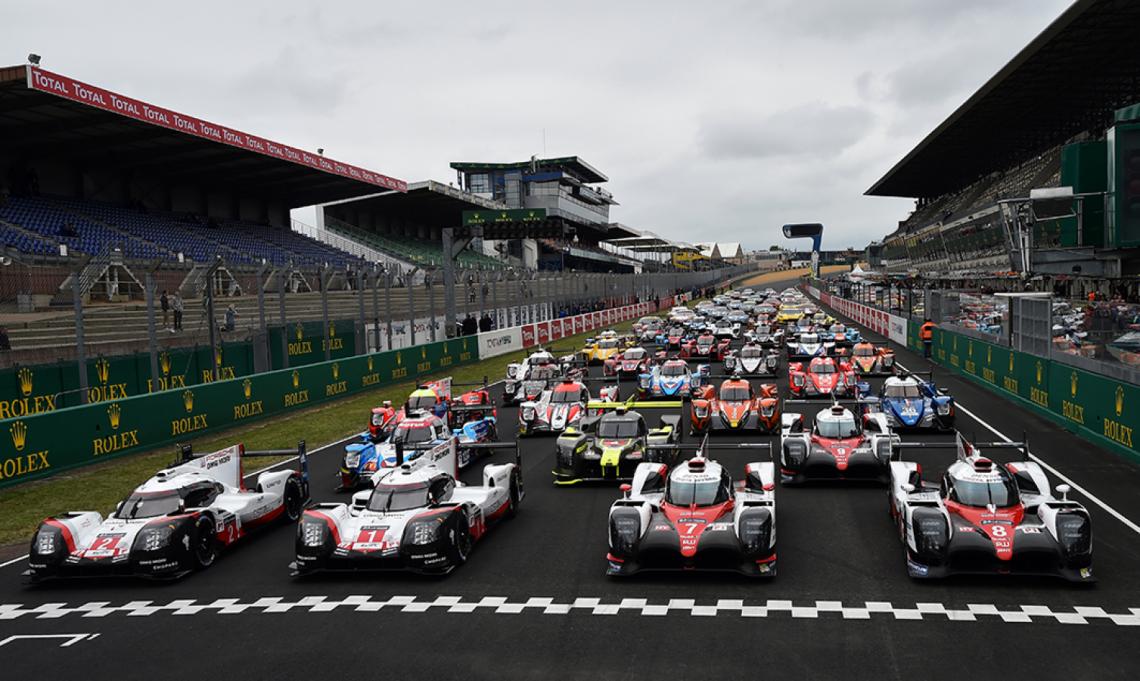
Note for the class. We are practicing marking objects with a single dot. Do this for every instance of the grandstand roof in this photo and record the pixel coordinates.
(47, 115)
(572, 164)
(429, 202)
(1069, 79)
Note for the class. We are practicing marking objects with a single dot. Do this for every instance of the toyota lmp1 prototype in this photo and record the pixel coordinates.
(822, 377)
(989, 518)
(909, 402)
(609, 446)
(735, 407)
(695, 518)
(416, 517)
(175, 522)
(837, 446)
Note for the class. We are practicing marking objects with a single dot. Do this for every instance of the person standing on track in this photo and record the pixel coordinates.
(926, 333)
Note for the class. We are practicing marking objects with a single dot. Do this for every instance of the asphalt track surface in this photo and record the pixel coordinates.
(534, 602)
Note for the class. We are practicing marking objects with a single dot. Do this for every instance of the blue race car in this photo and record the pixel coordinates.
(910, 402)
(671, 379)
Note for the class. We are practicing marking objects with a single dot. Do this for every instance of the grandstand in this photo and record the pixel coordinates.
(1042, 121)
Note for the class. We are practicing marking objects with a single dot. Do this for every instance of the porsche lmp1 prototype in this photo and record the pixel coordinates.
(415, 518)
(752, 360)
(560, 407)
(610, 446)
(838, 445)
(175, 522)
(631, 363)
(808, 345)
(735, 407)
(707, 347)
(822, 377)
(671, 379)
(909, 402)
(989, 518)
(695, 518)
(868, 359)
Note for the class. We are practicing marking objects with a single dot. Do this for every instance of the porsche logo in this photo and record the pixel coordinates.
(25, 376)
(296, 379)
(1119, 400)
(1073, 384)
(114, 414)
(188, 400)
(19, 432)
(247, 388)
(103, 370)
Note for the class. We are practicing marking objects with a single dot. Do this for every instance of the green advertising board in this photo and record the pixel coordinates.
(39, 445)
(473, 218)
(306, 342)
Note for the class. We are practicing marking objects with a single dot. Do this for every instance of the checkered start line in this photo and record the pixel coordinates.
(590, 606)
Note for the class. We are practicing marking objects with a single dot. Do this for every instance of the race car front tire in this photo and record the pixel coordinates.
(514, 495)
(460, 541)
(203, 544)
(293, 501)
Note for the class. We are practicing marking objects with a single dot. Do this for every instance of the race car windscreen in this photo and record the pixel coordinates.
(410, 434)
(843, 426)
(425, 402)
(634, 353)
(699, 492)
(1001, 492)
(902, 390)
(566, 396)
(676, 331)
(762, 330)
(607, 343)
(733, 393)
(398, 497)
(617, 428)
(823, 368)
(673, 370)
(747, 351)
(704, 342)
(149, 505)
(864, 351)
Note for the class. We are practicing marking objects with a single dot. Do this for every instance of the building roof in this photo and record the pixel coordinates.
(572, 164)
(1069, 79)
(48, 115)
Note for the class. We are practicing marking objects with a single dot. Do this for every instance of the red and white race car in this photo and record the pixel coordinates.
(382, 420)
(631, 363)
(822, 377)
(560, 407)
(175, 522)
(735, 406)
(838, 445)
(707, 347)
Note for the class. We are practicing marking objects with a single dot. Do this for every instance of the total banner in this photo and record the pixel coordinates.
(501, 342)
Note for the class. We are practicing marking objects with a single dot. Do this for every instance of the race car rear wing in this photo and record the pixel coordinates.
(705, 445)
(186, 455)
(460, 408)
(965, 446)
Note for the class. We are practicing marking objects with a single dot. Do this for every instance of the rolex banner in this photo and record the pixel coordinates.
(39, 445)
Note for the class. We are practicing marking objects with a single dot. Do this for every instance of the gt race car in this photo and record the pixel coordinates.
(838, 445)
(695, 518)
(735, 407)
(989, 518)
(910, 402)
(418, 518)
(609, 446)
(822, 377)
(598, 350)
(174, 523)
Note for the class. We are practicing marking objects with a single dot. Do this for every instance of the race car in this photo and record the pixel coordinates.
(724, 329)
(707, 347)
(418, 518)
(765, 335)
(752, 360)
(822, 377)
(909, 402)
(381, 421)
(631, 363)
(176, 522)
(540, 356)
(434, 397)
(807, 345)
(694, 518)
(647, 328)
(671, 338)
(839, 335)
(598, 350)
(868, 359)
(530, 384)
(670, 379)
(735, 407)
(609, 447)
(839, 445)
(989, 518)
(560, 407)
(789, 313)
(473, 405)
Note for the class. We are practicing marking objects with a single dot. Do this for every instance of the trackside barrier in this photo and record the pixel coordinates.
(41, 445)
(1099, 408)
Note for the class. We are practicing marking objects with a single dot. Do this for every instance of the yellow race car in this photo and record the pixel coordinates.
(598, 350)
(789, 313)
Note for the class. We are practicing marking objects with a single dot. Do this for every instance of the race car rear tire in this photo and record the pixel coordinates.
(514, 495)
(203, 544)
(293, 501)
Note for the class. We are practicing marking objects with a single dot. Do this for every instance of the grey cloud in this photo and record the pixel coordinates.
(810, 129)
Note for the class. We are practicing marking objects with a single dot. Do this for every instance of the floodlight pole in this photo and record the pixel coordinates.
(453, 245)
(281, 285)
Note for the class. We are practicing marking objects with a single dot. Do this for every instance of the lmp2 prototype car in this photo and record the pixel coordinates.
(671, 339)
(530, 383)
(631, 363)
(808, 345)
(989, 518)
(706, 347)
(609, 446)
(605, 346)
(838, 446)
(752, 360)
(822, 377)
(868, 359)
(735, 407)
(671, 379)
(175, 522)
(695, 518)
(560, 407)
(416, 517)
(909, 402)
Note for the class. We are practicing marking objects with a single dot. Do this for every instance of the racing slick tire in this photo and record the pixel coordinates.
(514, 495)
(292, 501)
(203, 544)
(460, 541)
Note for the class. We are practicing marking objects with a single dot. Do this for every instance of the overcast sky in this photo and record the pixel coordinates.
(713, 120)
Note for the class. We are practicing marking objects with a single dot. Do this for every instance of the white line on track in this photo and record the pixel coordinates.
(291, 459)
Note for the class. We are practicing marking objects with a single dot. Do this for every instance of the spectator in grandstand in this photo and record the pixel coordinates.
(926, 333)
(177, 306)
(469, 325)
(164, 301)
(231, 317)
(485, 323)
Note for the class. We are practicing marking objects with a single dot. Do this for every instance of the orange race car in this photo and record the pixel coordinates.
(868, 359)
(735, 406)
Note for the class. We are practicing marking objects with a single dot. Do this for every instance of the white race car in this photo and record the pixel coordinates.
(417, 517)
(174, 523)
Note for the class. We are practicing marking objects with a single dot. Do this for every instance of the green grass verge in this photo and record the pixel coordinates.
(100, 487)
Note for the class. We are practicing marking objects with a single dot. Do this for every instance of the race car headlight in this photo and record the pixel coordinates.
(423, 531)
(311, 533)
(888, 361)
(47, 542)
(883, 450)
(625, 527)
(767, 409)
(700, 412)
(944, 409)
(795, 453)
(153, 538)
(930, 532)
(352, 460)
(798, 381)
(643, 381)
(755, 530)
(566, 457)
(510, 372)
(1074, 533)
(527, 414)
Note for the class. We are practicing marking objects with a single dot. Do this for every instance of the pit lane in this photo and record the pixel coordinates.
(533, 599)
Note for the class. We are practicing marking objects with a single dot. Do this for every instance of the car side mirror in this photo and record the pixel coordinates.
(1064, 490)
(118, 507)
(625, 489)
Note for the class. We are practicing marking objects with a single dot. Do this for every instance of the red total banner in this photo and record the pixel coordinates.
(543, 333)
(76, 91)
